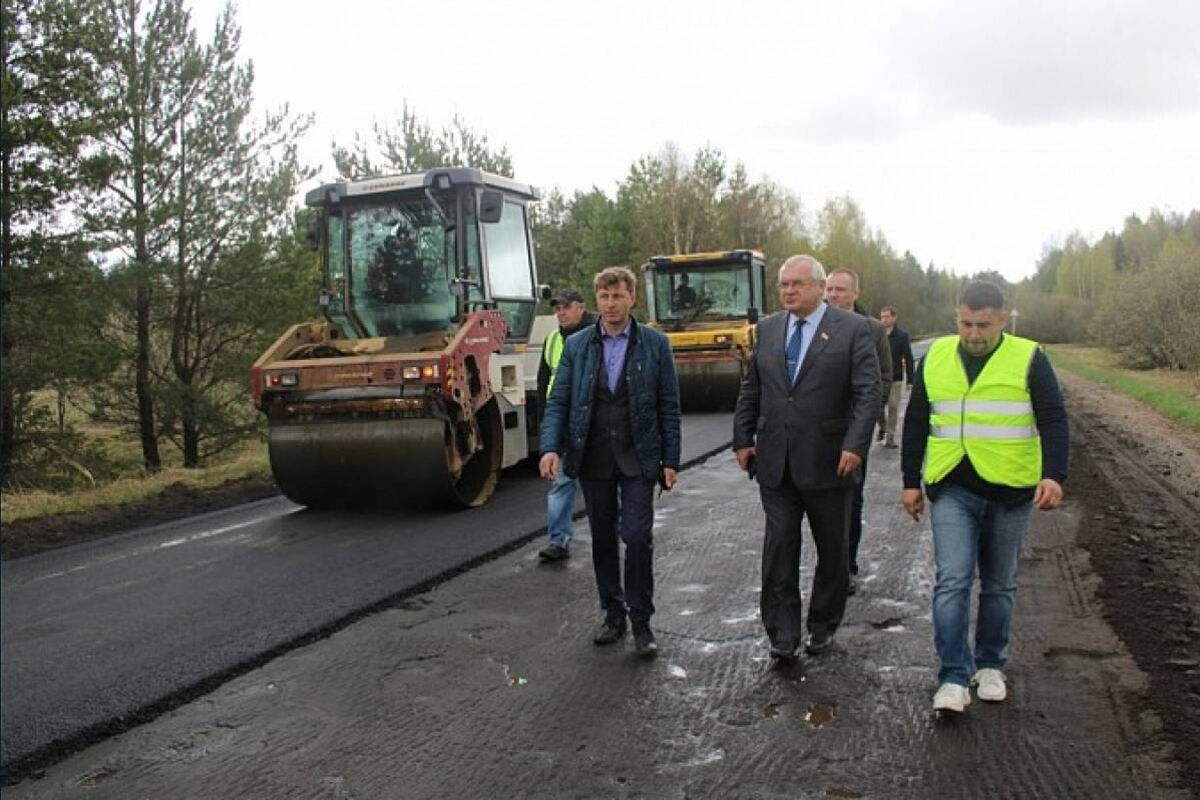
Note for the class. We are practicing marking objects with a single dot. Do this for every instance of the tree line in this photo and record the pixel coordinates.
(152, 247)
(1130, 290)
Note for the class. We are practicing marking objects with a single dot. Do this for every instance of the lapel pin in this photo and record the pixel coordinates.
(825, 336)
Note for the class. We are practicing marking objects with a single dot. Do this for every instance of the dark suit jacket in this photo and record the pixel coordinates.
(833, 406)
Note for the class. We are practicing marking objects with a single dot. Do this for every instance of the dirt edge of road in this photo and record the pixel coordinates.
(1136, 475)
(29, 536)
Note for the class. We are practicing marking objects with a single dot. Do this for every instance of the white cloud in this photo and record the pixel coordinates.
(969, 133)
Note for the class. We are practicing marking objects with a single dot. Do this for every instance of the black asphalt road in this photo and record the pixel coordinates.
(101, 634)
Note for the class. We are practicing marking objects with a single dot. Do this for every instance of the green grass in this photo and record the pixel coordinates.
(1172, 393)
(251, 462)
(130, 485)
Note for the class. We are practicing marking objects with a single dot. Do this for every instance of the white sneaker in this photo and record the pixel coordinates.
(951, 697)
(989, 685)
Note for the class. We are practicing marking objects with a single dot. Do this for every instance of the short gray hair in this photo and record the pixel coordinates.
(818, 271)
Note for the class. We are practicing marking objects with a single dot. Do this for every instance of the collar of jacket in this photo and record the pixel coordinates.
(599, 329)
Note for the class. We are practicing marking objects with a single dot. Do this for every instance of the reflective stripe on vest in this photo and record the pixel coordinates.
(552, 350)
(990, 421)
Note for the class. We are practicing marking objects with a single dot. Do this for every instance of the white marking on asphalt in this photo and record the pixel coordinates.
(195, 537)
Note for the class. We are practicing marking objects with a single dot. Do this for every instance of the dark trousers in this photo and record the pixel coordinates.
(827, 511)
(621, 509)
(856, 516)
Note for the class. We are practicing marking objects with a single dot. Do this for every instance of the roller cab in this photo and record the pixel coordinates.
(708, 305)
(415, 386)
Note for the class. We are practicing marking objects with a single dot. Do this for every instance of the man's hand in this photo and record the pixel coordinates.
(548, 466)
(914, 502)
(670, 477)
(848, 463)
(743, 456)
(1048, 495)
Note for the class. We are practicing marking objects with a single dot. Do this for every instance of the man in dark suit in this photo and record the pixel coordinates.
(804, 418)
(842, 291)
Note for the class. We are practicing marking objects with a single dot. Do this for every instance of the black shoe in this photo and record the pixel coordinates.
(818, 642)
(784, 651)
(644, 643)
(554, 552)
(610, 632)
(852, 586)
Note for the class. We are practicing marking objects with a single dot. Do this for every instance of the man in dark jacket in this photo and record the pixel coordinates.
(902, 374)
(804, 417)
(573, 317)
(842, 291)
(612, 420)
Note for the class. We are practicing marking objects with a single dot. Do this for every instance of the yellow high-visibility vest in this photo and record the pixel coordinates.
(990, 421)
(552, 350)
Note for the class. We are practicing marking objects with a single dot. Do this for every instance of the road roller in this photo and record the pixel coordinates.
(418, 384)
(708, 305)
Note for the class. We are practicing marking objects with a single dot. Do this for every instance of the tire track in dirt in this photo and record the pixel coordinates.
(1136, 476)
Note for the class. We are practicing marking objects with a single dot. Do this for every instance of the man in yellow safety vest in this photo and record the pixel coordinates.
(986, 430)
(572, 316)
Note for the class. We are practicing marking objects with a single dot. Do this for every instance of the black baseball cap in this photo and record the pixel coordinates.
(566, 296)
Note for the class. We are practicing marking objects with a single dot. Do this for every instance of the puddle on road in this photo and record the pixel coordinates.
(676, 671)
(818, 715)
(749, 617)
(693, 588)
(891, 624)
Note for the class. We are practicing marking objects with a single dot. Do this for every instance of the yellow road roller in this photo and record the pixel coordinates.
(708, 305)
(418, 385)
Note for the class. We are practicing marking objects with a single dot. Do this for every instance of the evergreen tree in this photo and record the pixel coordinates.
(192, 196)
(47, 111)
(411, 145)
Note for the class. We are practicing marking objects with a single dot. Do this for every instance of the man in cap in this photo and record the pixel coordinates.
(572, 316)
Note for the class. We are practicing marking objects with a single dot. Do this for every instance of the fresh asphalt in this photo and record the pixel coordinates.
(488, 685)
(102, 635)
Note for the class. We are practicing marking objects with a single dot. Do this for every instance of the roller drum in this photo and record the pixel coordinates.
(708, 385)
(392, 461)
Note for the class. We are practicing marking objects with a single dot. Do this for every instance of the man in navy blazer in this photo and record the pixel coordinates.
(803, 423)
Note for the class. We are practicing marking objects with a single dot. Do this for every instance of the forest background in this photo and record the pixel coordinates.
(152, 242)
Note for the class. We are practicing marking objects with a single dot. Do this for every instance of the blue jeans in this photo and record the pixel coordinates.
(970, 530)
(560, 507)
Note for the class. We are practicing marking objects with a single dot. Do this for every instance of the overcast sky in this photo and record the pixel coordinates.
(970, 133)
